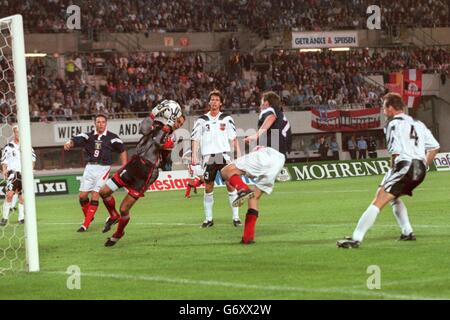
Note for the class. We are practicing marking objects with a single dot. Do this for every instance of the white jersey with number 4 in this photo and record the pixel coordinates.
(409, 138)
(214, 133)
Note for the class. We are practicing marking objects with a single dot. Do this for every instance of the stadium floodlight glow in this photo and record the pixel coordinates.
(340, 49)
(13, 37)
(35, 55)
(311, 50)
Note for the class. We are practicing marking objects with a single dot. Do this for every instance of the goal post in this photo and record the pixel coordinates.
(15, 25)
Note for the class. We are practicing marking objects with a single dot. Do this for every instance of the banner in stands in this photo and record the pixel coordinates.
(442, 162)
(127, 129)
(345, 120)
(412, 87)
(333, 39)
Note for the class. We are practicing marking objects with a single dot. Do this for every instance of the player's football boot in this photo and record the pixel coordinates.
(237, 223)
(348, 243)
(22, 221)
(207, 224)
(409, 237)
(4, 222)
(113, 240)
(109, 223)
(251, 241)
(82, 229)
(242, 196)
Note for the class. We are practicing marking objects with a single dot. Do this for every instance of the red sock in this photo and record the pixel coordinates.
(90, 213)
(237, 183)
(84, 205)
(110, 204)
(188, 191)
(250, 223)
(123, 221)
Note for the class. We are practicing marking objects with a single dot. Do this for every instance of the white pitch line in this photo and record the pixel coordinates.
(406, 282)
(254, 287)
(301, 225)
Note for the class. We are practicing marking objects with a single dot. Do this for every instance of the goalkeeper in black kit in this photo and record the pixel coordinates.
(142, 169)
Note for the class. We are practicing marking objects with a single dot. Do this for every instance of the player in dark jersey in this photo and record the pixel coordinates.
(274, 129)
(142, 169)
(99, 144)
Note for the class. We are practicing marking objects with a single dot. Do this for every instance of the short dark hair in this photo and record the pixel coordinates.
(100, 115)
(273, 98)
(395, 100)
(217, 93)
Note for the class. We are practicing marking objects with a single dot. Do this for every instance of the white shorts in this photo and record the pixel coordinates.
(94, 177)
(263, 166)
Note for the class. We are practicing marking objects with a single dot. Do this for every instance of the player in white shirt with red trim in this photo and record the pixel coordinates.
(212, 134)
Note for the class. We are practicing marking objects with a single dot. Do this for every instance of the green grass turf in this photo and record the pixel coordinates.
(165, 255)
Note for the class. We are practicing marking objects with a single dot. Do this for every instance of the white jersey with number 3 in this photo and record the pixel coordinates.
(409, 138)
(214, 133)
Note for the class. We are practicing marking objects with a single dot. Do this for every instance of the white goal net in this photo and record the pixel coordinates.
(18, 234)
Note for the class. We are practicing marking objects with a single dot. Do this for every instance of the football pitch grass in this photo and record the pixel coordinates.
(165, 255)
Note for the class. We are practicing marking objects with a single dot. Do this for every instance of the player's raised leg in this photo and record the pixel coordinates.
(232, 196)
(110, 203)
(125, 206)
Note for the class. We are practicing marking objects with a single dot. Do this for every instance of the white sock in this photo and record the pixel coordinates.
(14, 200)
(21, 212)
(401, 214)
(365, 222)
(6, 207)
(208, 202)
(231, 197)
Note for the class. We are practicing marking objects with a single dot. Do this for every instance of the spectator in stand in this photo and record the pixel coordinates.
(351, 146)
(323, 148)
(334, 146)
(372, 148)
(362, 148)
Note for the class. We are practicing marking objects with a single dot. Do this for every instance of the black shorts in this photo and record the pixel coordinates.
(136, 176)
(213, 164)
(404, 178)
(14, 182)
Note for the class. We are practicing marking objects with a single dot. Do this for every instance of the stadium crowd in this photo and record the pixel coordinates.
(133, 83)
(224, 15)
